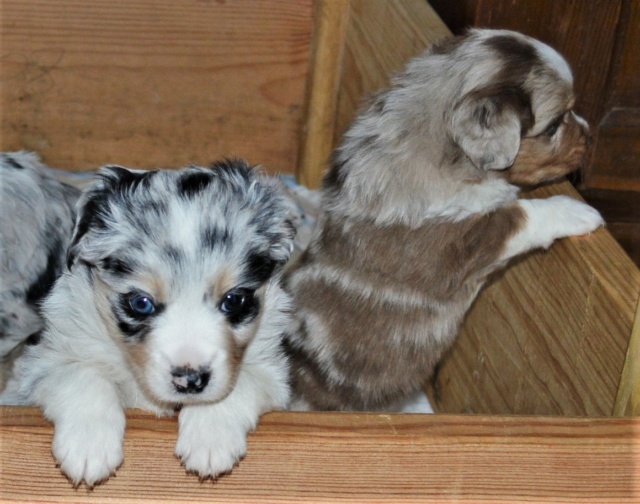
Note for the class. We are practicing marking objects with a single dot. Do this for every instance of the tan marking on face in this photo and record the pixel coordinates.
(224, 281)
(138, 355)
(543, 158)
(153, 285)
(236, 353)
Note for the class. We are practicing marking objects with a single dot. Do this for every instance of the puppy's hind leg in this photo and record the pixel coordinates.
(89, 422)
(547, 220)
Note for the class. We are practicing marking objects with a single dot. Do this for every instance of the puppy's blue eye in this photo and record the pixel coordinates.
(142, 305)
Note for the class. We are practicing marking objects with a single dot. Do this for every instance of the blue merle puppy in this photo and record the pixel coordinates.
(37, 214)
(171, 301)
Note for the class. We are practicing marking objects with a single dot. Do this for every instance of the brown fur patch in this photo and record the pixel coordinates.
(383, 349)
(437, 257)
(518, 57)
(543, 158)
(224, 282)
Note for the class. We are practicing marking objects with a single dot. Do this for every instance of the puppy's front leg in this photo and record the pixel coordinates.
(550, 219)
(212, 438)
(89, 422)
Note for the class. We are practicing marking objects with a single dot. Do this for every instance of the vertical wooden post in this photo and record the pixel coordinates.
(331, 21)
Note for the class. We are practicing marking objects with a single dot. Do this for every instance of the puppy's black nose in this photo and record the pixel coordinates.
(190, 381)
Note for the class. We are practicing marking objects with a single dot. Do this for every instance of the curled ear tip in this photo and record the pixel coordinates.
(112, 170)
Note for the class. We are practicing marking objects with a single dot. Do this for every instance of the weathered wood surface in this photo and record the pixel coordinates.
(298, 457)
(628, 398)
(154, 83)
(317, 136)
(381, 38)
(359, 45)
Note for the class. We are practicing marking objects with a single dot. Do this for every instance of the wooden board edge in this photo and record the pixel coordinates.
(316, 142)
(628, 398)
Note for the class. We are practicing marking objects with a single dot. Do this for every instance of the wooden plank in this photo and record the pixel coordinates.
(381, 37)
(358, 45)
(154, 82)
(549, 336)
(621, 209)
(628, 398)
(331, 18)
(332, 457)
(627, 234)
(617, 149)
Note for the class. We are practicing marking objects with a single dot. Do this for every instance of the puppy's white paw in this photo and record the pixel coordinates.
(210, 447)
(550, 219)
(88, 452)
(573, 217)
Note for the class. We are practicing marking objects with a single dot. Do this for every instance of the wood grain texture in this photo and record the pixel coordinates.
(331, 20)
(297, 457)
(624, 81)
(381, 37)
(628, 398)
(627, 234)
(358, 45)
(617, 149)
(549, 336)
(617, 146)
(154, 83)
(621, 209)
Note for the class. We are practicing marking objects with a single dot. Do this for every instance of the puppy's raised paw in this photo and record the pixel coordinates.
(208, 445)
(89, 453)
(550, 219)
(573, 217)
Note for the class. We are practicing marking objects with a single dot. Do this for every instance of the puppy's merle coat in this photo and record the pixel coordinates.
(171, 299)
(421, 205)
(37, 215)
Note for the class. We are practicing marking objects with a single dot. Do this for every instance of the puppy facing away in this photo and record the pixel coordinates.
(37, 216)
(171, 300)
(420, 205)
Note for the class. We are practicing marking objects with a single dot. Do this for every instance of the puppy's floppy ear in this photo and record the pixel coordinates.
(93, 210)
(487, 125)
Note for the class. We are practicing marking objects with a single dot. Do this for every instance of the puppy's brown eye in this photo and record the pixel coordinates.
(239, 305)
(553, 127)
(233, 302)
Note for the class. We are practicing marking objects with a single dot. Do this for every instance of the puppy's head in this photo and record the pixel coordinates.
(515, 107)
(181, 262)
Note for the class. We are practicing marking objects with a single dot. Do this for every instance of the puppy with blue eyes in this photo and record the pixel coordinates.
(170, 301)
